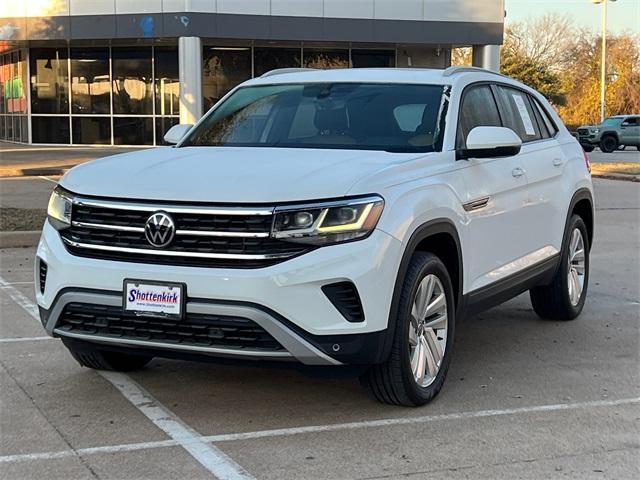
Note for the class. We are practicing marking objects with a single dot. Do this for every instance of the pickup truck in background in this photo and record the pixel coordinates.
(613, 133)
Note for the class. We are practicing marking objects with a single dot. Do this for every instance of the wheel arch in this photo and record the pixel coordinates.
(440, 237)
(582, 205)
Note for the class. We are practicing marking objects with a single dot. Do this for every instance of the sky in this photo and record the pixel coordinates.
(622, 15)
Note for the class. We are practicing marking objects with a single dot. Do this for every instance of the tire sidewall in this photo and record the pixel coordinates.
(576, 222)
(428, 264)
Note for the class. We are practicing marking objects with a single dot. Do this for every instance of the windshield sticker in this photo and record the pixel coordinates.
(524, 114)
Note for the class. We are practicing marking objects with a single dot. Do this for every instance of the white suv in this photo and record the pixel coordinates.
(342, 218)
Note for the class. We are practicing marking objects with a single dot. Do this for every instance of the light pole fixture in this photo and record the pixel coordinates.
(603, 66)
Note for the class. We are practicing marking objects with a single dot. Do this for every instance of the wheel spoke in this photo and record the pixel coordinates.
(413, 336)
(430, 362)
(419, 304)
(436, 305)
(578, 256)
(434, 345)
(421, 353)
(438, 322)
(577, 286)
(575, 237)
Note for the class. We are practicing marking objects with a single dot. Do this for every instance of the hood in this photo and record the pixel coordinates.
(229, 174)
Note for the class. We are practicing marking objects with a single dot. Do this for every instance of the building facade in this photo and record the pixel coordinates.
(121, 72)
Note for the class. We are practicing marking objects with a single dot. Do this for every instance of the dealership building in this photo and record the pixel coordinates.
(121, 72)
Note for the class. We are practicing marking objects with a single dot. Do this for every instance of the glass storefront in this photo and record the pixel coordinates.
(13, 96)
(224, 67)
(90, 95)
(129, 95)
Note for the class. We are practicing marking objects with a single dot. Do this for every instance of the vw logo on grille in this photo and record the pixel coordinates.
(159, 229)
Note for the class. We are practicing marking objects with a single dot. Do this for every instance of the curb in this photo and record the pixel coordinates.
(33, 172)
(27, 238)
(616, 176)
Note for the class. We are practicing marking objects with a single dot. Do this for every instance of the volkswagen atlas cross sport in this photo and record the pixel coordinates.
(343, 218)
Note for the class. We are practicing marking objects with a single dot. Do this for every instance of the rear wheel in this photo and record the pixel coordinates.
(104, 360)
(564, 297)
(608, 144)
(417, 365)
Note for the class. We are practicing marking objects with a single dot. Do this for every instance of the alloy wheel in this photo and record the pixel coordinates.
(428, 330)
(577, 267)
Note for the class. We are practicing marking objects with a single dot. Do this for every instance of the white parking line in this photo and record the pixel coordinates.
(209, 456)
(214, 460)
(283, 432)
(22, 300)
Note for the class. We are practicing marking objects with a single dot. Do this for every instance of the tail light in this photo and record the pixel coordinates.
(586, 161)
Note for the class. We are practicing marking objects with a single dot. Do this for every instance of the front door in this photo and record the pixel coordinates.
(496, 192)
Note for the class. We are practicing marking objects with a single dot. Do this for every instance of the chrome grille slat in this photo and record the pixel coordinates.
(208, 236)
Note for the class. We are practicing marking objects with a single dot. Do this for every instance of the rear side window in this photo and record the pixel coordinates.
(632, 121)
(546, 119)
(478, 109)
(518, 114)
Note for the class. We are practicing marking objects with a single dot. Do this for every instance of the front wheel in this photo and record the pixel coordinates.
(588, 148)
(564, 297)
(417, 366)
(609, 144)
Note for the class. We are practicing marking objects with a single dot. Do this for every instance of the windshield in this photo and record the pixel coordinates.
(611, 121)
(398, 118)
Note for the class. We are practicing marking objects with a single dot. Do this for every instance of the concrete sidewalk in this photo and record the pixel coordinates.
(18, 160)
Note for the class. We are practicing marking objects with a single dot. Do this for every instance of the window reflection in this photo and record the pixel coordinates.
(132, 85)
(324, 59)
(373, 58)
(224, 68)
(266, 59)
(88, 130)
(49, 80)
(50, 129)
(90, 92)
(133, 131)
(167, 81)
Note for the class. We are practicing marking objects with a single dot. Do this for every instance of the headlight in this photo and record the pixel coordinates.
(328, 223)
(596, 131)
(59, 209)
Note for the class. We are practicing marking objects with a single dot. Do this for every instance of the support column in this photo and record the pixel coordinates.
(487, 56)
(190, 73)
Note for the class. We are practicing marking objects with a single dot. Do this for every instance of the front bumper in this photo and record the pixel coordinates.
(286, 299)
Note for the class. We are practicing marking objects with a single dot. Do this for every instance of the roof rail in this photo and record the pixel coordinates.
(464, 69)
(281, 71)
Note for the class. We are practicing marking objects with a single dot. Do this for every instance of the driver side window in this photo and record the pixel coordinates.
(478, 109)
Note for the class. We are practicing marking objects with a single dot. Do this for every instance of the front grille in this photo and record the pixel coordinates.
(583, 131)
(344, 296)
(197, 330)
(204, 236)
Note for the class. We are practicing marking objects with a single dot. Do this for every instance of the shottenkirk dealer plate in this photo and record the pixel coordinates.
(154, 298)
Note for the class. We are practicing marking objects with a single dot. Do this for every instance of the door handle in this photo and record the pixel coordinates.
(517, 172)
(557, 162)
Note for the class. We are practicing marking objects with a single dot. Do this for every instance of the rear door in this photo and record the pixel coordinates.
(630, 131)
(543, 161)
(496, 192)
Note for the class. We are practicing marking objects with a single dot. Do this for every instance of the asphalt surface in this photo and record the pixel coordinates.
(524, 398)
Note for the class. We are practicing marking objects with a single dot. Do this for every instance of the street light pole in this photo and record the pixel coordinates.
(603, 66)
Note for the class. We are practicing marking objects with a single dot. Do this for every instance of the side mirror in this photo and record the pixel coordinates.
(490, 142)
(175, 133)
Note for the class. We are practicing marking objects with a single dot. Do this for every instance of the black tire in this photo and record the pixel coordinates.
(588, 148)
(103, 360)
(552, 302)
(638, 147)
(393, 382)
(609, 144)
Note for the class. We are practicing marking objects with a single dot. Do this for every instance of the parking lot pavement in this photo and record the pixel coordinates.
(524, 398)
(627, 155)
(26, 192)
